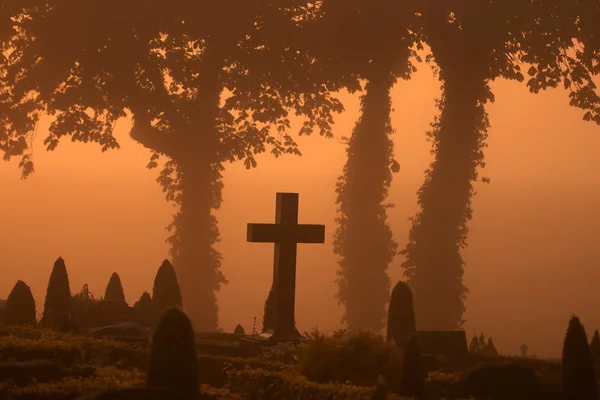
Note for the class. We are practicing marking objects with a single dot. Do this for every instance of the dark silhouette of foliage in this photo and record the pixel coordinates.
(270, 311)
(595, 348)
(412, 380)
(114, 289)
(20, 306)
(401, 316)
(490, 348)
(474, 345)
(361, 357)
(578, 377)
(472, 46)
(239, 330)
(143, 309)
(173, 360)
(57, 305)
(166, 292)
(204, 83)
(374, 44)
(144, 302)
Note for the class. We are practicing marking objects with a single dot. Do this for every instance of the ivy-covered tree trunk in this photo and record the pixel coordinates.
(195, 231)
(363, 238)
(434, 265)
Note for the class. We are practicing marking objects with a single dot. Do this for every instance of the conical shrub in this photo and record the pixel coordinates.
(412, 379)
(143, 309)
(166, 292)
(114, 289)
(20, 306)
(57, 305)
(270, 312)
(578, 378)
(595, 348)
(145, 301)
(490, 348)
(173, 360)
(401, 315)
(474, 345)
(239, 330)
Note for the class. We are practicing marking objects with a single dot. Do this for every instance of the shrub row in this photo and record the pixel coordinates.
(22, 344)
(255, 384)
(108, 378)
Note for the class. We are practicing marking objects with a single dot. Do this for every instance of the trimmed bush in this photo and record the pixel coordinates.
(269, 315)
(359, 358)
(261, 385)
(166, 292)
(490, 348)
(114, 289)
(142, 310)
(595, 348)
(578, 371)
(474, 345)
(173, 361)
(20, 306)
(412, 379)
(239, 330)
(57, 305)
(401, 315)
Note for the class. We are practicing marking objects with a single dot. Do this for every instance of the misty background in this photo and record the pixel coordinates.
(533, 255)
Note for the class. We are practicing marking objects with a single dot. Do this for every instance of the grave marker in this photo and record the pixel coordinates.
(285, 233)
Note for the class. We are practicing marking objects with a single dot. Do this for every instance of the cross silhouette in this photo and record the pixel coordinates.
(285, 233)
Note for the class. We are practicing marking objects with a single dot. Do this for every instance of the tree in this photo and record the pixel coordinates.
(412, 381)
(401, 315)
(471, 46)
(114, 289)
(20, 306)
(203, 82)
(57, 305)
(578, 379)
(371, 41)
(173, 358)
(166, 292)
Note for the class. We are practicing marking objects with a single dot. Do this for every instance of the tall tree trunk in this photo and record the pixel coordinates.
(434, 265)
(197, 263)
(363, 238)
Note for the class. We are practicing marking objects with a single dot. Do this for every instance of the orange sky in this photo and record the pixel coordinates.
(533, 256)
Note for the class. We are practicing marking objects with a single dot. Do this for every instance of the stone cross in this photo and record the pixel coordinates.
(285, 233)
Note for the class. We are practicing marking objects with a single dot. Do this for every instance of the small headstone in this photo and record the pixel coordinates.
(448, 344)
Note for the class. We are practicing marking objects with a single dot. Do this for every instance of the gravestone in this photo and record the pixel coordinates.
(451, 345)
(285, 233)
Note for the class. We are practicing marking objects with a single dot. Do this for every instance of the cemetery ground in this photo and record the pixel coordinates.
(81, 364)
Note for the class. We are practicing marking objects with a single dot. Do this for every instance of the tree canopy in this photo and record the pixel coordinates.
(204, 84)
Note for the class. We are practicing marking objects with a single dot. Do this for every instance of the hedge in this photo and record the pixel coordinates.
(258, 384)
